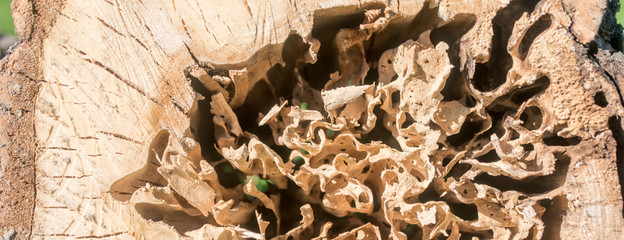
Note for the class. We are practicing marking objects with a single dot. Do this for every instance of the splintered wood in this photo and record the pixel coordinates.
(328, 119)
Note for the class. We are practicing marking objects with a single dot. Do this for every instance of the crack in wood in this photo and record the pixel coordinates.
(69, 177)
(120, 136)
(60, 148)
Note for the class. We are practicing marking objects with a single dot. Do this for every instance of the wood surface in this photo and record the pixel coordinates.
(105, 105)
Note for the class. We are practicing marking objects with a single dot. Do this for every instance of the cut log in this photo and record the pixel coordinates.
(313, 119)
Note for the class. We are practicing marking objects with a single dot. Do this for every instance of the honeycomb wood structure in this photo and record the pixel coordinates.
(313, 119)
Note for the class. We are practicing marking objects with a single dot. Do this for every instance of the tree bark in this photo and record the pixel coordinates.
(313, 119)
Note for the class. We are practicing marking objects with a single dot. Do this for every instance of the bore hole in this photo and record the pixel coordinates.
(491, 156)
(458, 170)
(592, 49)
(396, 97)
(556, 140)
(228, 176)
(600, 99)
(468, 131)
(530, 185)
(525, 93)
(470, 101)
(618, 134)
(453, 30)
(408, 121)
(535, 30)
(531, 118)
(555, 208)
(466, 212)
(381, 132)
(482, 80)
(528, 147)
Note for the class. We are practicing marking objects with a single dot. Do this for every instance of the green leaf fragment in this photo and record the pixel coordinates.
(303, 151)
(409, 229)
(298, 161)
(304, 105)
(228, 169)
(249, 198)
(330, 133)
(261, 184)
(239, 176)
